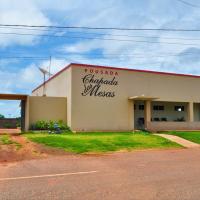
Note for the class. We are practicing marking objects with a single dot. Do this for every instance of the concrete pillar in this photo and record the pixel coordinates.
(23, 110)
(190, 112)
(131, 114)
(147, 113)
(27, 114)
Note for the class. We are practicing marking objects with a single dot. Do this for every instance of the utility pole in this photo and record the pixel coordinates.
(49, 66)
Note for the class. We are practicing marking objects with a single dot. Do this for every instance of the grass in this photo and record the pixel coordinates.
(6, 140)
(101, 142)
(193, 136)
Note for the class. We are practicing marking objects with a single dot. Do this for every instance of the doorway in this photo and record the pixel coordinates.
(12, 113)
(139, 118)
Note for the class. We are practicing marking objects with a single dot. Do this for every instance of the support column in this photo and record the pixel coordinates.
(147, 113)
(23, 103)
(131, 115)
(190, 112)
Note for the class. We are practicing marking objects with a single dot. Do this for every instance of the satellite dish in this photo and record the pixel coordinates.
(44, 71)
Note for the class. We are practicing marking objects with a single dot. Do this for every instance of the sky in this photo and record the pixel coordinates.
(22, 51)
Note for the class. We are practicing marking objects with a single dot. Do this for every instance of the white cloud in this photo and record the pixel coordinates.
(20, 12)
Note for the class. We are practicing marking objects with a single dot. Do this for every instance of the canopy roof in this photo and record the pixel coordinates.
(143, 97)
(13, 96)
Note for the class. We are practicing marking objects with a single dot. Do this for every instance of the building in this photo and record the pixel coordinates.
(98, 98)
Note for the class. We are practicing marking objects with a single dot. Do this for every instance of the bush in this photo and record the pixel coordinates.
(41, 125)
(50, 125)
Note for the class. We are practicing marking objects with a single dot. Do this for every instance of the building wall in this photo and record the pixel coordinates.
(115, 112)
(9, 122)
(60, 86)
(167, 126)
(47, 108)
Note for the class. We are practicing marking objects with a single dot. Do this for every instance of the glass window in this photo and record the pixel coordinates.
(141, 107)
(179, 108)
(156, 107)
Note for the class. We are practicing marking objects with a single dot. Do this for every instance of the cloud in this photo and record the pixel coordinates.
(23, 12)
(164, 52)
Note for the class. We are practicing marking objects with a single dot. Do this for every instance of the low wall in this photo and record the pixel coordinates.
(8, 123)
(165, 126)
(46, 108)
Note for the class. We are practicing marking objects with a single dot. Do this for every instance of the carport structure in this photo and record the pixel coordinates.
(23, 99)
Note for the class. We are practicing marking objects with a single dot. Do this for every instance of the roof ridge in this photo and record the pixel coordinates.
(115, 68)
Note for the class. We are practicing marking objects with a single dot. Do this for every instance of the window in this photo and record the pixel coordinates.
(156, 107)
(140, 120)
(134, 107)
(141, 107)
(179, 108)
(163, 119)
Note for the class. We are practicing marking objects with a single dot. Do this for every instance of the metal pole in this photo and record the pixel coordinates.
(49, 66)
(44, 88)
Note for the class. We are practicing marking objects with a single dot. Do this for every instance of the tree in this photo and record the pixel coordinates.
(2, 116)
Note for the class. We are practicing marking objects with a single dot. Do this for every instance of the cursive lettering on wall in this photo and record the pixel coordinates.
(98, 86)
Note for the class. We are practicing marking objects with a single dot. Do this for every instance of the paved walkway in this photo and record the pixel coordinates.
(179, 140)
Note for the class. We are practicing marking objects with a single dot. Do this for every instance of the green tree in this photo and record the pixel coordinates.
(2, 116)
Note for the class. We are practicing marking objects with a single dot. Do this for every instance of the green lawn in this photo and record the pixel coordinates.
(101, 142)
(193, 136)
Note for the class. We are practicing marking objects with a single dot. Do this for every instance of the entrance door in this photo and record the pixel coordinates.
(139, 115)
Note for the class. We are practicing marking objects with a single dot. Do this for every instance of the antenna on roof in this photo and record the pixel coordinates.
(44, 72)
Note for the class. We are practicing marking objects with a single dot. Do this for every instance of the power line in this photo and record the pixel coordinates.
(101, 34)
(97, 38)
(101, 28)
(189, 4)
(99, 56)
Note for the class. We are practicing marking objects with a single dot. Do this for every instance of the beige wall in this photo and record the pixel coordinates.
(101, 113)
(166, 126)
(46, 108)
(60, 86)
(92, 113)
(88, 113)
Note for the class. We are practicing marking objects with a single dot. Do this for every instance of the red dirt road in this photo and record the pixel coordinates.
(141, 175)
(10, 131)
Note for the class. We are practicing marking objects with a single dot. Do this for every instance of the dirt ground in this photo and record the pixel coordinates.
(14, 131)
(25, 150)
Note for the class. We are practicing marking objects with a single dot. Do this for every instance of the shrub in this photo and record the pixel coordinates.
(50, 125)
(41, 125)
(63, 126)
